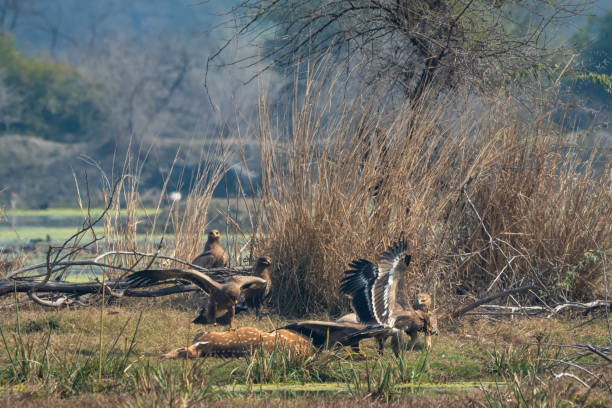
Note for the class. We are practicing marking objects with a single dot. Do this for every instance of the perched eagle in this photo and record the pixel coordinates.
(222, 297)
(213, 256)
(373, 292)
(254, 296)
(422, 302)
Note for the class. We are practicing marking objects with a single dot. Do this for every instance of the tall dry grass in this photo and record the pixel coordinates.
(486, 198)
(172, 228)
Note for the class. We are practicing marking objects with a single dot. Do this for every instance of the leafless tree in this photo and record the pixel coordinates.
(11, 11)
(410, 43)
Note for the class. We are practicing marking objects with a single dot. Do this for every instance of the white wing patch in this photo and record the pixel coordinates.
(383, 291)
(388, 288)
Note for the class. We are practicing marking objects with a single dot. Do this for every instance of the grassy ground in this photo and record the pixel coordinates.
(52, 358)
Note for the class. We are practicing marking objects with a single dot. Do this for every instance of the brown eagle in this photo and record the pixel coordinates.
(222, 297)
(327, 334)
(213, 256)
(254, 296)
(373, 292)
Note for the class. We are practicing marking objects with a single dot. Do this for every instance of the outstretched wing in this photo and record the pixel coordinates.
(366, 333)
(391, 264)
(323, 334)
(249, 282)
(254, 296)
(153, 276)
(358, 284)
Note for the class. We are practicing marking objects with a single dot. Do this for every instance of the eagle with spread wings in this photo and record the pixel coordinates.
(222, 296)
(373, 292)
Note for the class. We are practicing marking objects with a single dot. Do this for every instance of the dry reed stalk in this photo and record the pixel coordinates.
(487, 199)
(187, 219)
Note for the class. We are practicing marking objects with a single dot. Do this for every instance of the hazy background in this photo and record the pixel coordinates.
(84, 82)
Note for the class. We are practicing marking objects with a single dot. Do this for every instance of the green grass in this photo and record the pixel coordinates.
(25, 234)
(53, 355)
(18, 226)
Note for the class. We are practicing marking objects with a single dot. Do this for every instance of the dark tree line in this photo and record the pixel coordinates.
(411, 43)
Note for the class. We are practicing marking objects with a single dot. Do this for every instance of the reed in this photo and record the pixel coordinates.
(488, 196)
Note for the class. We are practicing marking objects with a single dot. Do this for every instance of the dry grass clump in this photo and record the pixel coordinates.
(487, 199)
(183, 222)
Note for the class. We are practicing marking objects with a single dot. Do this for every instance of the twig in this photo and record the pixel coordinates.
(575, 377)
(245, 270)
(592, 348)
(484, 300)
(68, 264)
(212, 271)
(541, 309)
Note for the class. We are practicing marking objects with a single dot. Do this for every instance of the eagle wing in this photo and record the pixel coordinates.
(254, 296)
(365, 333)
(384, 289)
(358, 284)
(249, 282)
(149, 277)
(206, 260)
(322, 333)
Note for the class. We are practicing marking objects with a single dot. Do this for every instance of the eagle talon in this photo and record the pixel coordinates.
(353, 354)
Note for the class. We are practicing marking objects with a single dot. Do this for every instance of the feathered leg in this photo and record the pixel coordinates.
(396, 343)
(413, 338)
(212, 312)
(381, 344)
(231, 312)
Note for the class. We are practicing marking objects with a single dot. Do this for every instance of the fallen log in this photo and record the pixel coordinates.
(534, 310)
(84, 288)
(484, 300)
(115, 288)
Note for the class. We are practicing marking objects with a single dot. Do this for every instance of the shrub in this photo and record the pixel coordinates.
(486, 199)
(57, 103)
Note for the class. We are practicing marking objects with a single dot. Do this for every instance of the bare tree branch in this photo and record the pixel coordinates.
(484, 300)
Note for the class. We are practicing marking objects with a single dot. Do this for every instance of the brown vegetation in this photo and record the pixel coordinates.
(488, 197)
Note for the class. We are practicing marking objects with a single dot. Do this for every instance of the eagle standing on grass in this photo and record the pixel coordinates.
(222, 298)
(254, 296)
(213, 256)
(373, 292)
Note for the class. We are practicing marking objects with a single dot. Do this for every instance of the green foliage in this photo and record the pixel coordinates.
(589, 258)
(52, 101)
(31, 361)
(596, 58)
(600, 81)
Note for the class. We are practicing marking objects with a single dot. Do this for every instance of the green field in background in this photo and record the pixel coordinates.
(25, 234)
(20, 226)
(68, 212)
